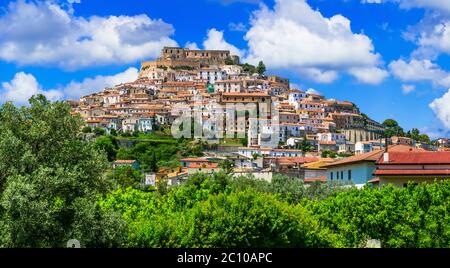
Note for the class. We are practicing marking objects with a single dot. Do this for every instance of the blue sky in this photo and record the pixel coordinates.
(390, 57)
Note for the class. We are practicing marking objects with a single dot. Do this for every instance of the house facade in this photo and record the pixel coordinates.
(399, 168)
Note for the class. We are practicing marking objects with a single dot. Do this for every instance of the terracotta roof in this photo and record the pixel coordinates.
(239, 94)
(374, 155)
(124, 161)
(193, 159)
(96, 121)
(327, 142)
(370, 156)
(374, 180)
(415, 157)
(320, 179)
(203, 165)
(412, 172)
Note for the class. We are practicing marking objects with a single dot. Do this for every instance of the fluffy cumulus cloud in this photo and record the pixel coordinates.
(23, 86)
(89, 85)
(215, 40)
(47, 33)
(369, 75)
(443, 5)
(441, 107)
(432, 36)
(420, 70)
(316, 46)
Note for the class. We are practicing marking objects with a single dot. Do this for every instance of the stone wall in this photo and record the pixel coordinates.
(355, 135)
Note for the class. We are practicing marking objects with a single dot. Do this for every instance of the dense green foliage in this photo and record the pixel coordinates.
(416, 216)
(50, 180)
(153, 151)
(126, 176)
(392, 128)
(213, 212)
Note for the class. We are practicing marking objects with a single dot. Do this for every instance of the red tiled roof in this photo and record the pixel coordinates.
(412, 172)
(374, 155)
(374, 180)
(415, 158)
(370, 156)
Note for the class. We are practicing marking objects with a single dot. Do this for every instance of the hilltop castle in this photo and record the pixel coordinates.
(184, 58)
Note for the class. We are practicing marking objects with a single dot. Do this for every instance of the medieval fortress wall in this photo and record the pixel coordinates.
(175, 57)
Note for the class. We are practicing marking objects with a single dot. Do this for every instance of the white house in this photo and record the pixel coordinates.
(212, 75)
(296, 95)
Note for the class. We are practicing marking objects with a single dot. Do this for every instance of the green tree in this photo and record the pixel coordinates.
(328, 153)
(261, 68)
(190, 216)
(99, 131)
(87, 129)
(153, 166)
(108, 144)
(424, 138)
(416, 216)
(50, 180)
(126, 176)
(304, 145)
(227, 166)
(392, 128)
(248, 68)
(415, 134)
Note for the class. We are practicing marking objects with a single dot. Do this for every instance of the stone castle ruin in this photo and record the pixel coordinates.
(187, 59)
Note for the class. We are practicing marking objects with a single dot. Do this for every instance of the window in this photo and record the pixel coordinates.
(331, 175)
(337, 175)
(342, 175)
(349, 174)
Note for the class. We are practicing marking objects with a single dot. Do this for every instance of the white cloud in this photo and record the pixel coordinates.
(318, 75)
(22, 87)
(310, 43)
(420, 70)
(441, 107)
(371, 1)
(432, 37)
(228, 2)
(215, 40)
(313, 91)
(89, 85)
(191, 45)
(443, 5)
(237, 27)
(406, 89)
(369, 75)
(46, 33)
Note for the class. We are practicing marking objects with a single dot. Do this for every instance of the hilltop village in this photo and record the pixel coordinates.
(316, 139)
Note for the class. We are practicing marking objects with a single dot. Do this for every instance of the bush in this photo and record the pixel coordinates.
(416, 216)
